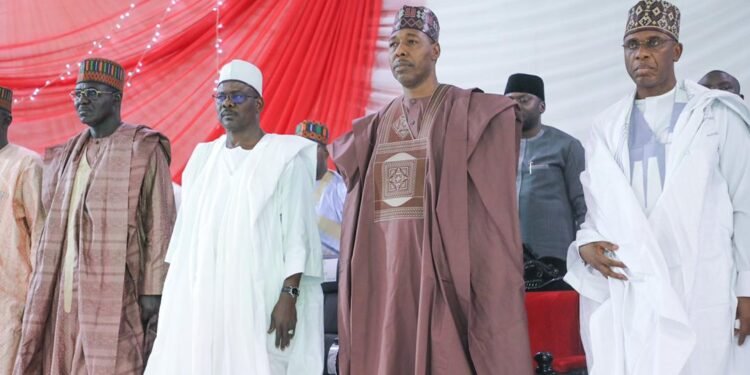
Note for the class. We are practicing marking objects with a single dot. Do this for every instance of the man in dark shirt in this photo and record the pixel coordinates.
(550, 197)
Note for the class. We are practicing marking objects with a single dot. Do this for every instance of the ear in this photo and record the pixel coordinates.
(677, 52)
(435, 51)
(542, 106)
(260, 104)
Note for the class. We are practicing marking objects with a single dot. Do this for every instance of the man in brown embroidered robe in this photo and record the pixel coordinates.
(431, 277)
(100, 265)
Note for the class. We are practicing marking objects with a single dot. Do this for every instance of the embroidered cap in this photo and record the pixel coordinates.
(525, 83)
(418, 18)
(314, 131)
(103, 71)
(654, 15)
(243, 71)
(6, 99)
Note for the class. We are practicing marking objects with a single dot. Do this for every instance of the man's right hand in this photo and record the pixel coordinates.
(594, 255)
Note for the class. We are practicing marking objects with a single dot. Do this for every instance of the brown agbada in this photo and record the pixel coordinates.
(124, 224)
(431, 278)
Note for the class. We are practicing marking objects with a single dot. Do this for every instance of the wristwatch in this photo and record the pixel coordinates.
(292, 290)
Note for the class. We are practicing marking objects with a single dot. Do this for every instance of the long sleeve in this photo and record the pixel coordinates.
(30, 194)
(584, 278)
(574, 165)
(587, 233)
(300, 241)
(157, 213)
(734, 165)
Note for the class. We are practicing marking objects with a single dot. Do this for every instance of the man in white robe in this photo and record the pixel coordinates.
(243, 294)
(662, 261)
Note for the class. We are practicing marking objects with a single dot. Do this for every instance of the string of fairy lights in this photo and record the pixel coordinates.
(217, 43)
(118, 25)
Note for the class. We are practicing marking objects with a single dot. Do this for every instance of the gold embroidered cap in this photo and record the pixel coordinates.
(654, 15)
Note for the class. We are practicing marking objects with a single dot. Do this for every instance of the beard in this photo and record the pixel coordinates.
(412, 80)
(529, 123)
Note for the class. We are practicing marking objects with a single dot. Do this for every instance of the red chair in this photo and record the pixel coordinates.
(554, 328)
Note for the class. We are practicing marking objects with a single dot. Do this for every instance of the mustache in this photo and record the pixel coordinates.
(399, 63)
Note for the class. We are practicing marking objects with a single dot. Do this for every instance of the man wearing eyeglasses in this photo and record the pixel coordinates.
(243, 293)
(21, 222)
(94, 295)
(662, 261)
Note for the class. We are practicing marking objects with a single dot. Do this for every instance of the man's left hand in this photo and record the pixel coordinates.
(284, 320)
(743, 315)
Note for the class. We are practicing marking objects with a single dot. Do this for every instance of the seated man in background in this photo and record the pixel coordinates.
(330, 192)
(719, 80)
(550, 196)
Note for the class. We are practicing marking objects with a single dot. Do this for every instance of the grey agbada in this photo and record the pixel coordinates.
(550, 197)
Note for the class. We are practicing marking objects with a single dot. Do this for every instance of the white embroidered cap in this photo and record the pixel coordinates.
(243, 71)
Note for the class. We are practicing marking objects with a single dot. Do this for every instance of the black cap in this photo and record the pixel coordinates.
(526, 83)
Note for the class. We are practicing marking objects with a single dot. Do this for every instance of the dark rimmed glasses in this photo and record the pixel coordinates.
(92, 94)
(235, 97)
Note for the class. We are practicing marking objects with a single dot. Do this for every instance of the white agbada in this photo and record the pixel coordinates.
(687, 259)
(246, 223)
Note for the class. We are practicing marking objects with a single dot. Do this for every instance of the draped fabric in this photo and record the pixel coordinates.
(315, 57)
(328, 60)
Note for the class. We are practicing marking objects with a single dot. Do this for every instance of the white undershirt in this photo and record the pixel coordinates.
(657, 110)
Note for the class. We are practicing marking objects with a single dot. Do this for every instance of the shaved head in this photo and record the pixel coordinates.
(719, 80)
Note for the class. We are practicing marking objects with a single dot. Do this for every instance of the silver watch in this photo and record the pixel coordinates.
(292, 290)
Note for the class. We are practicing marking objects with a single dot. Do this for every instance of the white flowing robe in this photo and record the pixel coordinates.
(245, 225)
(687, 260)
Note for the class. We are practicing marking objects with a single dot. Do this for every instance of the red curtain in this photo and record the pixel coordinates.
(316, 57)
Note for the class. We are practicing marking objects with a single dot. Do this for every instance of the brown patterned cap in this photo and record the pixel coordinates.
(102, 71)
(6, 99)
(418, 18)
(654, 15)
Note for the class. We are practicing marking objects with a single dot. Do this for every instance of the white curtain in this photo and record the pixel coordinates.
(574, 45)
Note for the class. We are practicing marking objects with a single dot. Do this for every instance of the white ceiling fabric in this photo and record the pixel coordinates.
(574, 45)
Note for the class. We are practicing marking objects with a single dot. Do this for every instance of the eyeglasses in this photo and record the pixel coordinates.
(650, 44)
(236, 98)
(88, 94)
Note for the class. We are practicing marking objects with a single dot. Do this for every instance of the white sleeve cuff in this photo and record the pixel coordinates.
(587, 236)
(294, 262)
(743, 284)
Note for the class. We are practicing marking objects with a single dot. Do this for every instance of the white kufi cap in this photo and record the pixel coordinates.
(243, 71)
